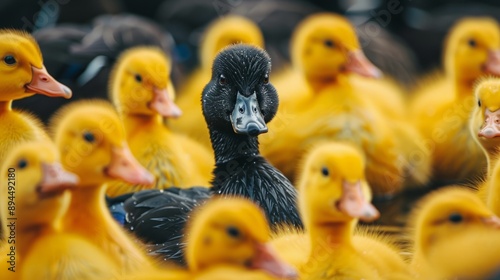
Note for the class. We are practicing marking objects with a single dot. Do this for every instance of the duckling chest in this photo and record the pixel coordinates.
(16, 128)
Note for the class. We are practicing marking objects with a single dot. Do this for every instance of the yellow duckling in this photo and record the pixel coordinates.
(227, 239)
(333, 195)
(92, 140)
(22, 74)
(455, 236)
(441, 109)
(327, 51)
(143, 93)
(35, 191)
(225, 31)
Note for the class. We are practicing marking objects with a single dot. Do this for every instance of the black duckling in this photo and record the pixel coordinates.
(237, 104)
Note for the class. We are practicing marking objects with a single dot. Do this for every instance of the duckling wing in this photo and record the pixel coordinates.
(158, 218)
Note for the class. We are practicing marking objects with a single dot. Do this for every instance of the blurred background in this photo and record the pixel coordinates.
(80, 40)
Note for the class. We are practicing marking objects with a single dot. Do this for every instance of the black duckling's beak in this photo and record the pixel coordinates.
(246, 117)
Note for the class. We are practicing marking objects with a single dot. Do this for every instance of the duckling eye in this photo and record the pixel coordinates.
(472, 43)
(222, 80)
(9, 59)
(233, 232)
(325, 171)
(329, 43)
(266, 79)
(88, 137)
(479, 102)
(138, 78)
(22, 163)
(455, 218)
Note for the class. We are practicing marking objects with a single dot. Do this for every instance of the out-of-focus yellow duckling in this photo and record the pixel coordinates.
(22, 74)
(92, 142)
(223, 32)
(455, 236)
(441, 108)
(334, 194)
(227, 239)
(326, 50)
(35, 191)
(143, 93)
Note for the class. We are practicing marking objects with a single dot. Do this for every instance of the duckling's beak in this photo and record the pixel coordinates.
(55, 179)
(267, 260)
(163, 104)
(359, 64)
(492, 65)
(42, 82)
(492, 221)
(491, 127)
(125, 167)
(354, 204)
(246, 117)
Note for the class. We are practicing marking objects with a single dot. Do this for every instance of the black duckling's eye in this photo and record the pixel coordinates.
(22, 163)
(455, 218)
(222, 80)
(266, 79)
(88, 137)
(233, 232)
(325, 171)
(329, 43)
(138, 78)
(472, 43)
(9, 59)
(479, 102)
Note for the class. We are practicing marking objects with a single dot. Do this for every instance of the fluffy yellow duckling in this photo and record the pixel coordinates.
(455, 236)
(327, 50)
(225, 31)
(92, 140)
(333, 195)
(227, 239)
(143, 93)
(35, 190)
(22, 74)
(441, 109)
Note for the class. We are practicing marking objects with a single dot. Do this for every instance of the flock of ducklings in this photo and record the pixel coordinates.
(340, 134)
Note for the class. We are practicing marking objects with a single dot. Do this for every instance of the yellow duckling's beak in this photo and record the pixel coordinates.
(266, 259)
(42, 82)
(163, 104)
(55, 180)
(491, 126)
(492, 221)
(125, 167)
(354, 204)
(359, 64)
(492, 64)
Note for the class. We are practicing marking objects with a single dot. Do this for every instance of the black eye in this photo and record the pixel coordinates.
(329, 43)
(9, 59)
(266, 79)
(222, 80)
(22, 163)
(325, 171)
(479, 103)
(233, 232)
(455, 218)
(89, 137)
(472, 43)
(138, 78)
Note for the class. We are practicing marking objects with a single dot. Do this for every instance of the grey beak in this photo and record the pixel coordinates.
(246, 117)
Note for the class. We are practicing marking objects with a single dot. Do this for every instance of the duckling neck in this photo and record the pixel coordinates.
(28, 235)
(87, 204)
(5, 106)
(132, 121)
(229, 145)
(464, 89)
(318, 83)
(329, 237)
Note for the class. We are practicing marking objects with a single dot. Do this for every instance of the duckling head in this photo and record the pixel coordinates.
(35, 184)
(473, 49)
(232, 231)
(226, 31)
(91, 140)
(447, 213)
(332, 186)
(326, 45)
(485, 121)
(22, 72)
(140, 83)
(239, 97)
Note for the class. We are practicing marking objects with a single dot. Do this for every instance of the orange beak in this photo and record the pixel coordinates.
(268, 261)
(491, 126)
(492, 221)
(163, 104)
(125, 167)
(55, 179)
(359, 64)
(354, 204)
(42, 82)
(492, 65)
